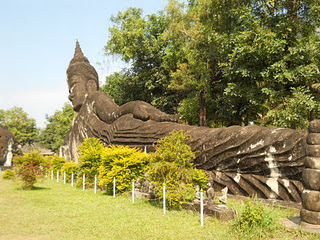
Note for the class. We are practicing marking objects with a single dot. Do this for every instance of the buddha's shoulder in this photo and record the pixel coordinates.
(99, 98)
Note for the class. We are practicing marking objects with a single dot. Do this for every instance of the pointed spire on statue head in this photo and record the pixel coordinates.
(78, 55)
(79, 64)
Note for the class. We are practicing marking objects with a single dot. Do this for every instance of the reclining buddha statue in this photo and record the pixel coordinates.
(266, 161)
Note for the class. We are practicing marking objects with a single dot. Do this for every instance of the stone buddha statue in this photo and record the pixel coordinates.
(266, 161)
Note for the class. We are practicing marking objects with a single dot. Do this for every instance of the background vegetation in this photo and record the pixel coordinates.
(221, 62)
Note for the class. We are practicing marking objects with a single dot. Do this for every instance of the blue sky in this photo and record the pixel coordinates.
(37, 41)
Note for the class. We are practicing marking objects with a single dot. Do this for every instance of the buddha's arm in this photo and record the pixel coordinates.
(104, 107)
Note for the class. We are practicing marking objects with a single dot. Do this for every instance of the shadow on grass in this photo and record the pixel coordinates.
(33, 189)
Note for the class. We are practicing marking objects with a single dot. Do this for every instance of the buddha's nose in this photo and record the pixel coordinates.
(71, 96)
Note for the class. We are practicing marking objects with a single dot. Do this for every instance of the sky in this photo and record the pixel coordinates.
(37, 42)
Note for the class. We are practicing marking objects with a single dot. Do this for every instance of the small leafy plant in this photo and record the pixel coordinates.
(8, 174)
(172, 165)
(255, 221)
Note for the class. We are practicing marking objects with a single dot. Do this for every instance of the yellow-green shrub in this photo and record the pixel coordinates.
(56, 163)
(172, 164)
(8, 174)
(90, 158)
(123, 163)
(69, 168)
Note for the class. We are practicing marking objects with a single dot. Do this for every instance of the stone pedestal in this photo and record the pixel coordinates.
(310, 212)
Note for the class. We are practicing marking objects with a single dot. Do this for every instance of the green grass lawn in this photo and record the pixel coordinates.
(58, 211)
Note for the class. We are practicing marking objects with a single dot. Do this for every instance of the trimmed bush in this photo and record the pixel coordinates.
(29, 167)
(56, 163)
(8, 174)
(123, 163)
(69, 168)
(90, 159)
(172, 164)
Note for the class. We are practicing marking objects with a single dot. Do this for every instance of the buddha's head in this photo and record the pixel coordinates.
(82, 79)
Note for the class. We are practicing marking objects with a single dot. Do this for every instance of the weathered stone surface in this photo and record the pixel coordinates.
(210, 193)
(310, 216)
(313, 150)
(220, 211)
(263, 151)
(257, 185)
(311, 200)
(314, 126)
(311, 178)
(312, 162)
(313, 139)
(310, 227)
(7, 143)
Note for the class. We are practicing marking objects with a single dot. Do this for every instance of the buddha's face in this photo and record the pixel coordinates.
(78, 91)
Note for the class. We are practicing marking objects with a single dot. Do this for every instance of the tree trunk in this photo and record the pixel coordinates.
(203, 109)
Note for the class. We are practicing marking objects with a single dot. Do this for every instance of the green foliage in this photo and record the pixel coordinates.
(255, 221)
(172, 165)
(56, 163)
(57, 127)
(69, 168)
(20, 124)
(8, 174)
(90, 158)
(189, 109)
(123, 163)
(139, 40)
(295, 111)
(228, 56)
(29, 167)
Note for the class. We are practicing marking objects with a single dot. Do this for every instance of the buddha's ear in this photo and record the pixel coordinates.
(92, 85)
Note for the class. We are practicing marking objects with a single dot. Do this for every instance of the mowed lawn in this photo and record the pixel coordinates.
(58, 211)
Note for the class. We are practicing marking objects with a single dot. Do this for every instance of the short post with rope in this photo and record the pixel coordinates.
(201, 208)
(164, 199)
(133, 191)
(83, 182)
(95, 184)
(114, 187)
(72, 180)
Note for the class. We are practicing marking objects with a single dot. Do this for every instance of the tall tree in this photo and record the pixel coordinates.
(20, 124)
(234, 61)
(57, 127)
(138, 40)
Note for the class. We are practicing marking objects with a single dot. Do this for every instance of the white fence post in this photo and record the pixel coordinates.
(95, 184)
(164, 199)
(51, 174)
(83, 182)
(133, 191)
(72, 180)
(201, 208)
(57, 176)
(64, 177)
(114, 187)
